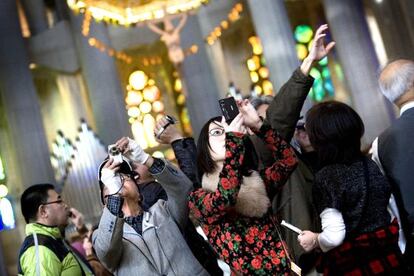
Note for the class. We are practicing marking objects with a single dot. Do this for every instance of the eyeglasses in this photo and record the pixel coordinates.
(60, 201)
(218, 131)
(300, 127)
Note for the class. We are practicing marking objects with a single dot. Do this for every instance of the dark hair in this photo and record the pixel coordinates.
(261, 100)
(206, 164)
(32, 198)
(335, 132)
(125, 168)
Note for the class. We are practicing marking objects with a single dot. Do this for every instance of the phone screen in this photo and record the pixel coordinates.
(229, 108)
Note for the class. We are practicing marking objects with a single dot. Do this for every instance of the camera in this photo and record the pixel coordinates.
(171, 120)
(115, 153)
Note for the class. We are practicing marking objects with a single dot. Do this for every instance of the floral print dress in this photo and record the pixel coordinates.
(249, 245)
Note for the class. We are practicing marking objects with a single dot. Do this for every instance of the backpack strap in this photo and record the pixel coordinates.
(55, 245)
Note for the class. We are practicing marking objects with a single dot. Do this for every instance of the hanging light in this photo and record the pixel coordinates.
(158, 106)
(138, 80)
(134, 112)
(264, 72)
(133, 98)
(267, 87)
(131, 12)
(139, 133)
(253, 63)
(145, 107)
(254, 77)
(178, 85)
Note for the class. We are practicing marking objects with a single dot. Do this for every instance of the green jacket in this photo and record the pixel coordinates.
(55, 258)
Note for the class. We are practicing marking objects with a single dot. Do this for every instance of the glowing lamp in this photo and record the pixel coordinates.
(264, 72)
(145, 107)
(133, 98)
(254, 77)
(158, 106)
(138, 80)
(134, 112)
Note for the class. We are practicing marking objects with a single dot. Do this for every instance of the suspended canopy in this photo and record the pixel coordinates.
(127, 12)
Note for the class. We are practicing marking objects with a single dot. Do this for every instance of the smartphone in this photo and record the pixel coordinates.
(229, 108)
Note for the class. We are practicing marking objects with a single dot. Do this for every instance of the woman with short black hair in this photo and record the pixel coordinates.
(351, 196)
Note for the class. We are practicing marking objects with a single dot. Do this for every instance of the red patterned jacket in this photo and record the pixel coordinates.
(250, 245)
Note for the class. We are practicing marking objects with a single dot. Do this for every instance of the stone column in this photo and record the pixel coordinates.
(36, 15)
(408, 12)
(273, 28)
(198, 77)
(359, 62)
(102, 79)
(394, 29)
(20, 103)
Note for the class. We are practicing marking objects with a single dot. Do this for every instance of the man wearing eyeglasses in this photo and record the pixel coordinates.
(44, 251)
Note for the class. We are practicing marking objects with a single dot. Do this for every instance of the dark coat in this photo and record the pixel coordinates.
(294, 203)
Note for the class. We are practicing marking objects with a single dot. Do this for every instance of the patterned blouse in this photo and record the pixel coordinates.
(249, 245)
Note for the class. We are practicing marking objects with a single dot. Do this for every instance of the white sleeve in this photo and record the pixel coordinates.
(375, 156)
(333, 229)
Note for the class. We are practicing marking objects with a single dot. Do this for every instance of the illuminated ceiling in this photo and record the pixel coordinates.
(126, 12)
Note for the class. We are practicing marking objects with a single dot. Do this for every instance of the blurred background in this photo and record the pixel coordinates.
(76, 75)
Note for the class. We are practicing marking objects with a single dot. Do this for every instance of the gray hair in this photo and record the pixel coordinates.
(400, 81)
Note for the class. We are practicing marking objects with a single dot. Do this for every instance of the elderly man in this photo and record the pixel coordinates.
(44, 252)
(393, 150)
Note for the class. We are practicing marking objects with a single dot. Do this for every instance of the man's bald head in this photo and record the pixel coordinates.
(397, 81)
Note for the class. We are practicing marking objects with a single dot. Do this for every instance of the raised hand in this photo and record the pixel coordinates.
(165, 132)
(109, 177)
(318, 50)
(77, 218)
(250, 116)
(235, 126)
(131, 149)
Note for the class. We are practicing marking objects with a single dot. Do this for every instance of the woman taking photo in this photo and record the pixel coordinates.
(233, 204)
(351, 196)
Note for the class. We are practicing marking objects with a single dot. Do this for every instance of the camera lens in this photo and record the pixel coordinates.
(114, 151)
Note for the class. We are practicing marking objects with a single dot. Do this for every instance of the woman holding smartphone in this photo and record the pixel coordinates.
(233, 205)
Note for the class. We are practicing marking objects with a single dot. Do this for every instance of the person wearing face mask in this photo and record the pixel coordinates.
(135, 238)
(233, 205)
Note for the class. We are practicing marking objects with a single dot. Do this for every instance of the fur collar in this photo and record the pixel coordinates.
(252, 200)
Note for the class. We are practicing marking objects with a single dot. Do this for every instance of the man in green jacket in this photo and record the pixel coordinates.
(44, 251)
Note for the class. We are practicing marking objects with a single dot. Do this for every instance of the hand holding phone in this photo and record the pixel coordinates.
(229, 108)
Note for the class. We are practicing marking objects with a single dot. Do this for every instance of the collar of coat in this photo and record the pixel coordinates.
(252, 200)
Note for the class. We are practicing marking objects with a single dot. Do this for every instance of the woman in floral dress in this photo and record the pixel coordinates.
(233, 205)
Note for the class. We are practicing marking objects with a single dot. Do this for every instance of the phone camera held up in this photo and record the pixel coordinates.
(229, 108)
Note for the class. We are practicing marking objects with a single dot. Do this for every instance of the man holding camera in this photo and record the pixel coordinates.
(133, 238)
